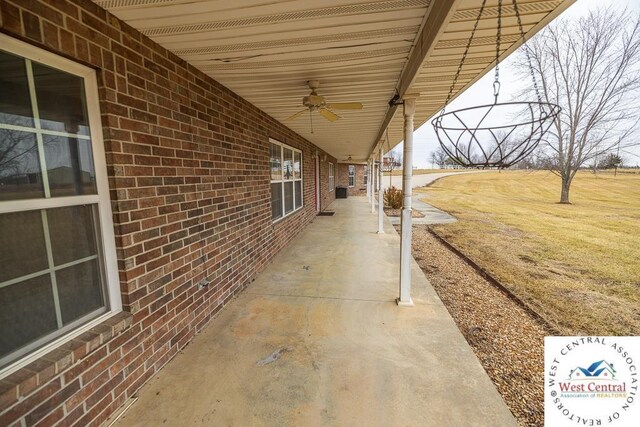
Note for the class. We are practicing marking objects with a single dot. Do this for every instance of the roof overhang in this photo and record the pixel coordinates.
(364, 51)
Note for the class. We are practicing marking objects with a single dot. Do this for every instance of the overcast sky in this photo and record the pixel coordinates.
(425, 140)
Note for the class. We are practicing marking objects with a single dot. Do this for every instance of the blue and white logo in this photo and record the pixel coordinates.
(592, 381)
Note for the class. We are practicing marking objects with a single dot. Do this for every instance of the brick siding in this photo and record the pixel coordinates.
(342, 180)
(189, 183)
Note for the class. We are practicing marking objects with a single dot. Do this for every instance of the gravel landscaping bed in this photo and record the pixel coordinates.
(396, 212)
(507, 340)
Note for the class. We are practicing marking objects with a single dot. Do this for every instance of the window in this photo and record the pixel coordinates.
(58, 274)
(352, 175)
(286, 179)
(366, 175)
(332, 180)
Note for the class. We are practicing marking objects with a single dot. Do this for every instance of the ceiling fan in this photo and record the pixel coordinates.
(314, 102)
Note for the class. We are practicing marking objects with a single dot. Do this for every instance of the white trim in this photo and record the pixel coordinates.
(46, 271)
(25, 50)
(332, 178)
(105, 238)
(349, 176)
(36, 354)
(36, 124)
(54, 202)
(317, 183)
(107, 243)
(52, 273)
(282, 179)
(43, 131)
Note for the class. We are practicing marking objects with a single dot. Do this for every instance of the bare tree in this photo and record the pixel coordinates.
(393, 160)
(439, 157)
(591, 68)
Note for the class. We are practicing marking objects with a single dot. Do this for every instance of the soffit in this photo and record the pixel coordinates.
(265, 51)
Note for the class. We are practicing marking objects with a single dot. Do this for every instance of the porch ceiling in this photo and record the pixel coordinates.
(359, 50)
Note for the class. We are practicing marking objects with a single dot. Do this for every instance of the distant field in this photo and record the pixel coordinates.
(578, 265)
(398, 172)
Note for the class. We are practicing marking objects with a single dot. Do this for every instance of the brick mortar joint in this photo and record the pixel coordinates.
(63, 357)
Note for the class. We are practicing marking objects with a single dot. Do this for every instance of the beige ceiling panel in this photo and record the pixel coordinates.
(380, 32)
(266, 51)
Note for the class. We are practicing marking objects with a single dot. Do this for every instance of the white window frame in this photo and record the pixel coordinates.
(332, 179)
(365, 174)
(351, 178)
(282, 180)
(105, 240)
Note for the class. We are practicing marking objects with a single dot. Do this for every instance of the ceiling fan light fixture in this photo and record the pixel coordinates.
(314, 102)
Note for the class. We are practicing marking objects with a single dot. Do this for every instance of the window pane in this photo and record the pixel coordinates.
(298, 194)
(79, 290)
(297, 166)
(61, 103)
(288, 197)
(72, 232)
(22, 247)
(27, 313)
(288, 163)
(276, 200)
(20, 176)
(69, 166)
(276, 162)
(15, 103)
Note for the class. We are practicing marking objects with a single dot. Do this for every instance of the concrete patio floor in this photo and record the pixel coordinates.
(342, 352)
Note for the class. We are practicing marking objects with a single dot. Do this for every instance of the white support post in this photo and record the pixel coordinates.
(409, 108)
(368, 180)
(372, 181)
(380, 197)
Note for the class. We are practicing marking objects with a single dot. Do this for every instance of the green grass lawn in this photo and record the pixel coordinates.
(578, 265)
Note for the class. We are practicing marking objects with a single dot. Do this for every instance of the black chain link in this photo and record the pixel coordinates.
(526, 50)
(496, 81)
(464, 55)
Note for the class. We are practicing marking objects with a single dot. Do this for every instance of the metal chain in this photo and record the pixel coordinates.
(526, 50)
(464, 55)
(496, 81)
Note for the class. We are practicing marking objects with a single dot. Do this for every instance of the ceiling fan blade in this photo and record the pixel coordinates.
(296, 115)
(345, 106)
(329, 115)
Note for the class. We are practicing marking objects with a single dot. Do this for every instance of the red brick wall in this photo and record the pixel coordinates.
(189, 180)
(360, 188)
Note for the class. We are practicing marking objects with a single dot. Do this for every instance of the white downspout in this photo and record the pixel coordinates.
(409, 108)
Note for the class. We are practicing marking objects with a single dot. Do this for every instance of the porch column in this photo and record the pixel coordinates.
(380, 196)
(372, 177)
(409, 108)
(368, 180)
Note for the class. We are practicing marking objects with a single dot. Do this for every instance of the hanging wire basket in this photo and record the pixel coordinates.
(495, 135)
